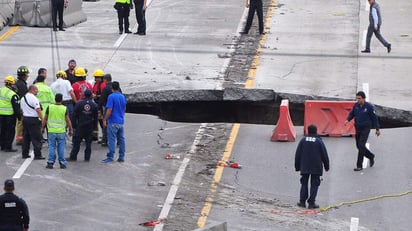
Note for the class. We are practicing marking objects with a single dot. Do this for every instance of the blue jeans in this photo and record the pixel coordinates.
(58, 139)
(115, 132)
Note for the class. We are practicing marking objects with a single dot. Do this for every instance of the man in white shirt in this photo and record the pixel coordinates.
(32, 119)
(63, 86)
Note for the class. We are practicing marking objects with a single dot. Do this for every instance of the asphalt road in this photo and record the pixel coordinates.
(311, 48)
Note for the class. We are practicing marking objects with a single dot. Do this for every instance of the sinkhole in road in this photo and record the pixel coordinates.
(234, 105)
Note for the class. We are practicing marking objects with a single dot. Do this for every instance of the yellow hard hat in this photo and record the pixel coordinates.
(80, 72)
(10, 79)
(61, 74)
(98, 73)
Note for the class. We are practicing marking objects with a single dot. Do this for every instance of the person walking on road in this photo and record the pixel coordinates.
(114, 121)
(84, 121)
(9, 112)
(375, 22)
(57, 118)
(123, 12)
(32, 120)
(140, 8)
(365, 116)
(14, 213)
(310, 158)
(254, 5)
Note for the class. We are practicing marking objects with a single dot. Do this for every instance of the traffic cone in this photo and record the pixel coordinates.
(284, 131)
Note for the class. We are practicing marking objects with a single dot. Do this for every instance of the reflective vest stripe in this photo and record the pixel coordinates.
(56, 122)
(6, 108)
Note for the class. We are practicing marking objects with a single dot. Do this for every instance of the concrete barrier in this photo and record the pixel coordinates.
(38, 13)
(214, 227)
(6, 12)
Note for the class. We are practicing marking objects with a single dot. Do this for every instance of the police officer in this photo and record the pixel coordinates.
(123, 12)
(9, 111)
(84, 120)
(21, 85)
(254, 5)
(140, 8)
(310, 157)
(14, 214)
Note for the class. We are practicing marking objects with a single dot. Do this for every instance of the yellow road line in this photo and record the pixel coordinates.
(250, 82)
(9, 32)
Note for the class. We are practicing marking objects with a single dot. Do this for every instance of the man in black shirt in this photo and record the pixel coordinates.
(14, 214)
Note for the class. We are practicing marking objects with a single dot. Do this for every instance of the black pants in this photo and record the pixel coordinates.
(371, 31)
(7, 131)
(57, 8)
(255, 5)
(123, 12)
(314, 185)
(32, 133)
(11, 227)
(362, 135)
(79, 135)
(140, 16)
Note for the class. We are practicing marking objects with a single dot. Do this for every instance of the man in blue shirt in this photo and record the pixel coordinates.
(375, 21)
(114, 121)
(364, 115)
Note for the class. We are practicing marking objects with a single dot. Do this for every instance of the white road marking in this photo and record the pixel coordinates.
(178, 178)
(364, 38)
(365, 88)
(24, 166)
(354, 223)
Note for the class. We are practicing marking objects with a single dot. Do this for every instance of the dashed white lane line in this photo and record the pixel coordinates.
(178, 178)
(354, 223)
(24, 166)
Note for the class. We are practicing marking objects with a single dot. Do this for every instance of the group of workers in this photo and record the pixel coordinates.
(70, 105)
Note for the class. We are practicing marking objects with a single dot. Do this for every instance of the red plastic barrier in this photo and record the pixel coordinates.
(284, 131)
(329, 117)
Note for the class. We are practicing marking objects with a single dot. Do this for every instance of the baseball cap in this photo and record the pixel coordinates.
(9, 184)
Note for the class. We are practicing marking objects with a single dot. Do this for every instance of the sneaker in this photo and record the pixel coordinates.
(49, 166)
(313, 206)
(107, 160)
(62, 166)
(26, 157)
(120, 160)
(301, 204)
(366, 51)
(357, 169)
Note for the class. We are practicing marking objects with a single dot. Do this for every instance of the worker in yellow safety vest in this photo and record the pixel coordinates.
(57, 119)
(9, 112)
(45, 94)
